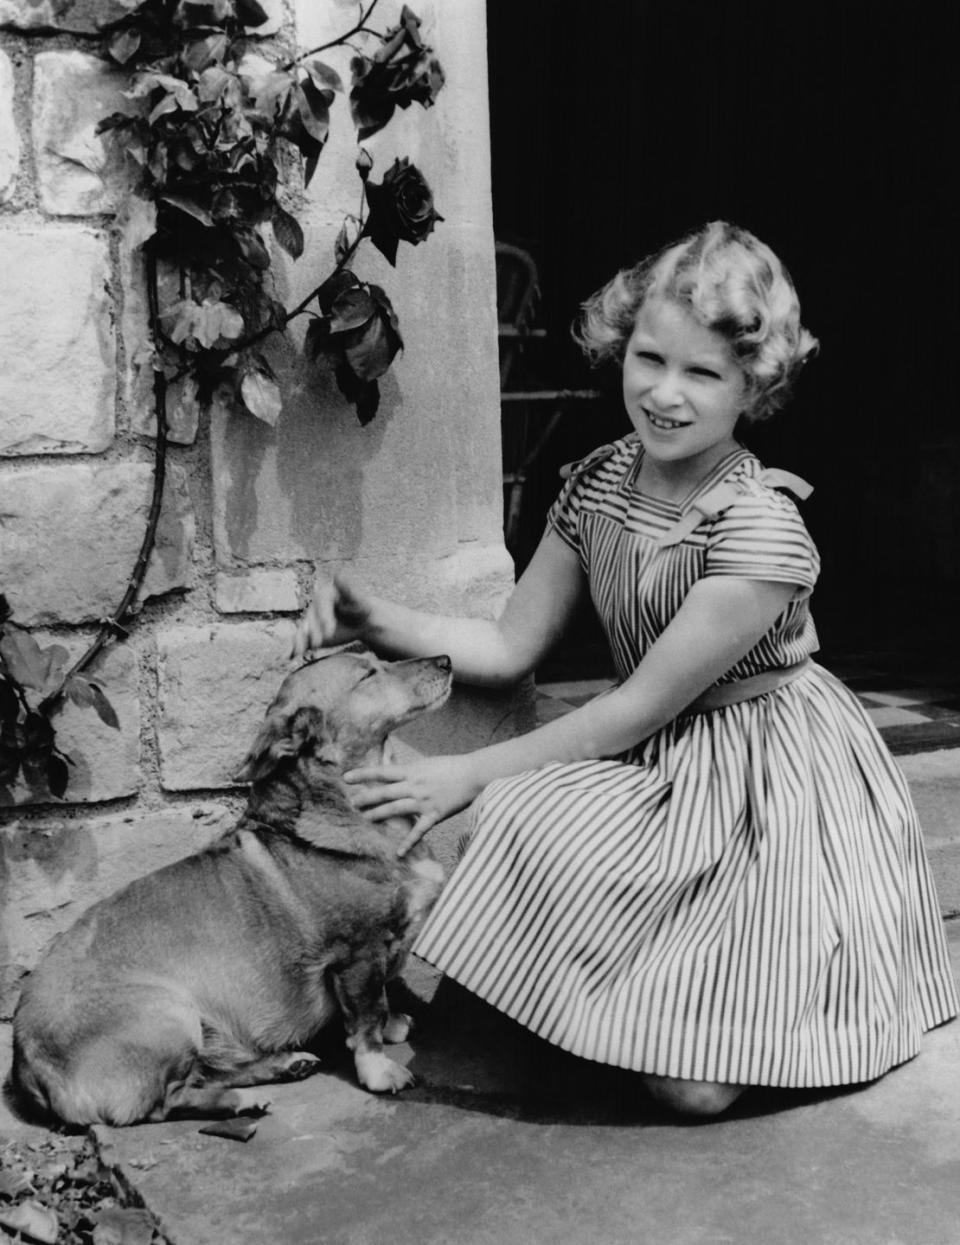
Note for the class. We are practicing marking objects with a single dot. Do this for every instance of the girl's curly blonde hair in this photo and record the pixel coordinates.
(732, 283)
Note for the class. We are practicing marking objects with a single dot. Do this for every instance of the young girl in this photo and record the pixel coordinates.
(712, 874)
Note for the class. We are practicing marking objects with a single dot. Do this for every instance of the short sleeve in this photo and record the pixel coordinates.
(762, 536)
(563, 516)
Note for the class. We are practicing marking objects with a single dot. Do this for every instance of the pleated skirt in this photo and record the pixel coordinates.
(745, 899)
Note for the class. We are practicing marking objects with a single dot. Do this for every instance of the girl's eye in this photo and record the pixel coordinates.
(705, 371)
(647, 356)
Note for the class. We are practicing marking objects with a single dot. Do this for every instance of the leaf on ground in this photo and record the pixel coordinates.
(123, 1226)
(14, 1183)
(35, 1222)
(236, 1129)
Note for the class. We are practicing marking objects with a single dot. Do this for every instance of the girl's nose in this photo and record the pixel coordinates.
(667, 392)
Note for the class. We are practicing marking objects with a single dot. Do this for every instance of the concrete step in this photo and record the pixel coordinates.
(934, 781)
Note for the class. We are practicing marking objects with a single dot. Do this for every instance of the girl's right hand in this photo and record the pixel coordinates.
(337, 614)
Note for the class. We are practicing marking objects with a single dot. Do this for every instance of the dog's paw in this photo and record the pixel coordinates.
(398, 1027)
(244, 1102)
(298, 1065)
(381, 1075)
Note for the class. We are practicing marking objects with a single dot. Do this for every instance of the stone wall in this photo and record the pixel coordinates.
(412, 502)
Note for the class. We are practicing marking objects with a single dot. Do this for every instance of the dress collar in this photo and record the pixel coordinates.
(716, 473)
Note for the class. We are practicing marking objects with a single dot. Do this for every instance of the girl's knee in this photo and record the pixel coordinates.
(701, 1098)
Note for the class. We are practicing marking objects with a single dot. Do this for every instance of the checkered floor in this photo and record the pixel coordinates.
(915, 705)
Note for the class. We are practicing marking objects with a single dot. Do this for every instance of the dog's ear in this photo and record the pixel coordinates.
(271, 745)
(280, 737)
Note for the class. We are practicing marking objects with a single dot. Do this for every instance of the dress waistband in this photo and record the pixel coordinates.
(723, 694)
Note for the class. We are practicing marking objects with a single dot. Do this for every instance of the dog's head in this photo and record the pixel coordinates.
(340, 708)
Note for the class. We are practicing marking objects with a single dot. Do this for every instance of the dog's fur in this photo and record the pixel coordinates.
(211, 973)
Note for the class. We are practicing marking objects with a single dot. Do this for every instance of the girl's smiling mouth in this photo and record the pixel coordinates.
(663, 423)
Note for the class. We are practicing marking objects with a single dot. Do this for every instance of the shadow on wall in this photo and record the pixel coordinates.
(296, 491)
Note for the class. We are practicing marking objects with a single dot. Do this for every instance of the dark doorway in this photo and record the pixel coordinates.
(830, 130)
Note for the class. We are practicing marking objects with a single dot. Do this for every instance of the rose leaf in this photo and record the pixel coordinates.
(250, 13)
(104, 710)
(250, 245)
(288, 232)
(313, 106)
(322, 76)
(334, 286)
(364, 394)
(261, 397)
(124, 44)
(351, 310)
(187, 205)
(372, 349)
(57, 775)
(24, 658)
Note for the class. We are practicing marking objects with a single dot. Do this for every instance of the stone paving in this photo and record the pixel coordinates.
(507, 1141)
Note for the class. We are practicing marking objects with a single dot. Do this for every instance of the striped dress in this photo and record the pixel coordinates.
(742, 898)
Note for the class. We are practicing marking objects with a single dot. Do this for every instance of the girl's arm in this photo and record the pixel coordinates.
(486, 652)
(719, 622)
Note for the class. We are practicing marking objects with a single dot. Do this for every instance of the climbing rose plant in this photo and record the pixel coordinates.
(211, 125)
(208, 127)
(28, 676)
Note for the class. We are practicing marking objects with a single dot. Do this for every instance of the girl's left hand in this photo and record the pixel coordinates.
(429, 790)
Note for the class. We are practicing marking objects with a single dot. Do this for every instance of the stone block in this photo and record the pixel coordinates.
(215, 683)
(105, 760)
(58, 380)
(51, 872)
(82, 16)
(474, 580)
(72, 533)
(258, 591)
(9, 134)
(89, 16)
(79, 173)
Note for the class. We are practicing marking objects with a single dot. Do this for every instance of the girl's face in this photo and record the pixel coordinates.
(682, 388)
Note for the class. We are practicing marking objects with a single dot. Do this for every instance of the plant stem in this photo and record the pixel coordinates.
(358, 29)
(301, 307)
(110, 626)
